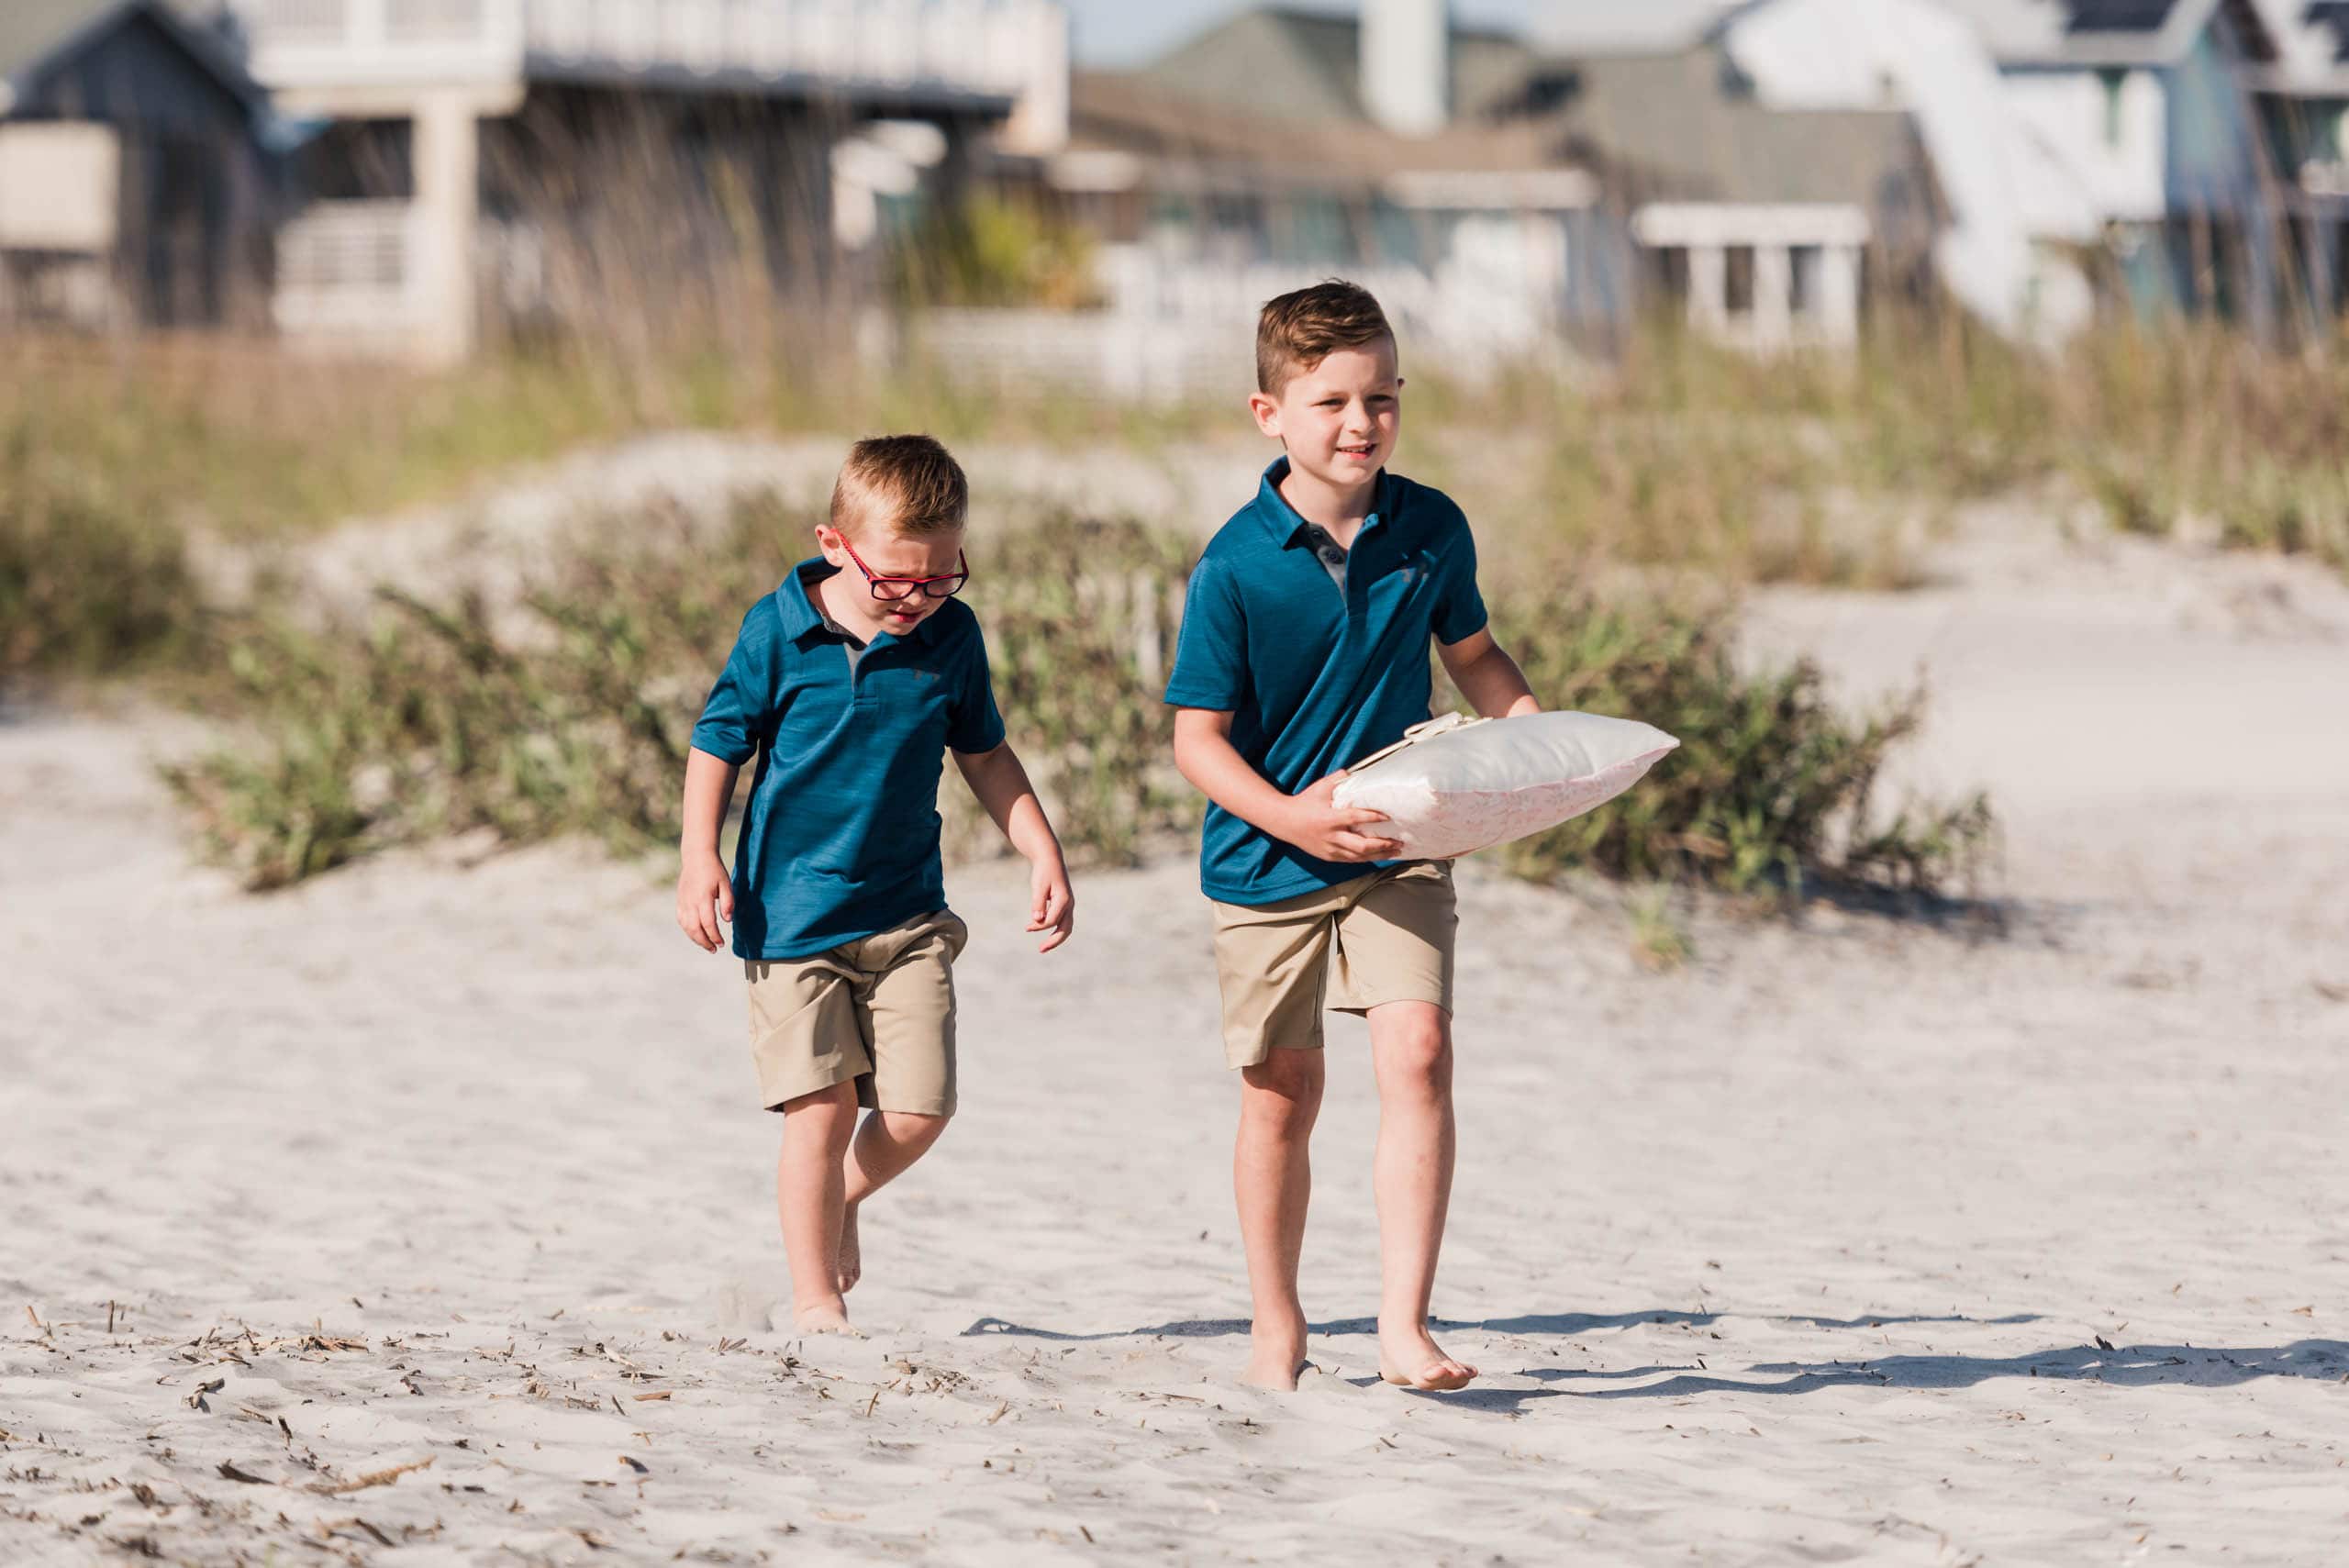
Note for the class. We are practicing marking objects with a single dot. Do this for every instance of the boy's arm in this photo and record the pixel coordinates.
(1001, 787)
(1204, 752)
(705, 893)
(1488, 676)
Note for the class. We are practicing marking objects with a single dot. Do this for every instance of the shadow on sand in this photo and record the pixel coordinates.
(1565, 1323)
(2125, 1366)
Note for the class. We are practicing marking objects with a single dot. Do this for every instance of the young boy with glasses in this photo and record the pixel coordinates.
(849, 684)
(1304, 648)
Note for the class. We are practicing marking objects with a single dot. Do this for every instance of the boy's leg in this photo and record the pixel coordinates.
(1395, 961)
(906, 1002)
(809, 1054)
(1410, 1048)
(1271, 966)
(888, 1143)
(1272, 1178)
(809, 1195)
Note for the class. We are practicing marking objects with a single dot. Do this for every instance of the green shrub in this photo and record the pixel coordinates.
(1080, 618)
(568, 713)
(1771, 786)
(571, 712)
(88, 585)
(994, 253)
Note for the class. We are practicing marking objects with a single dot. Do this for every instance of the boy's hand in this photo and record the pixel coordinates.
(705, 897)
(1332, 832)
(1051, 904)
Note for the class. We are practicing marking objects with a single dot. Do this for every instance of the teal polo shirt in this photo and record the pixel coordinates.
(1316, 674)
(840, 838)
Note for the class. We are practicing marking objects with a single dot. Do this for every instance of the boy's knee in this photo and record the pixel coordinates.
(915, 1128)
(1417, 1046)
(1285, 1087)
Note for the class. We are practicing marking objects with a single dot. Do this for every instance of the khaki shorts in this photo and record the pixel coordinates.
(1390, 934)
(879, 1010)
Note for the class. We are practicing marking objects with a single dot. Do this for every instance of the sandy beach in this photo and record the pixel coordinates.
(419, 1215)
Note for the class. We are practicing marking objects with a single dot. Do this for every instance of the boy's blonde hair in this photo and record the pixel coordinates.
(1300, 330)
(911, 483)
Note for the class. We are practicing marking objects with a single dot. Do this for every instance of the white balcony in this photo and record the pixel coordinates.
(308, 48)
(1013, 50)
(347, 271)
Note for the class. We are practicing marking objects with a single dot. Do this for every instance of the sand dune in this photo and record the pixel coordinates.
(417, 1214)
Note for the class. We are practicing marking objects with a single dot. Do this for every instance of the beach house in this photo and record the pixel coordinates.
(1764, 228)
(2305, 103)
(1507, 202)
(2019, 224)
(1281, 146)
(2152, 111)
(551, 162)
(135, 187)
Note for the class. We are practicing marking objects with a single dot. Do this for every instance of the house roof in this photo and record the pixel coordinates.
(1683, 126)
(37, 34)
(1140, 113)
(1280, 62)
(2312, 47)
(2331, 19)
(2089, 33)
(1678, 126)
(1585, 28)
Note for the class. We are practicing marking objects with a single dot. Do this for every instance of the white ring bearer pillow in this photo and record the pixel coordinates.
(1456, 784)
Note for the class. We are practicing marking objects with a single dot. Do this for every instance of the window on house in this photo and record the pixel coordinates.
(1668, 271)
(59, 186)
(1737, 283)
(2112, 81)
(359, 161)
(1803, 263)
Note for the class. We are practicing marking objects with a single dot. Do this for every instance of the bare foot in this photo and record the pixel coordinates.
(1277, 1354)
(851, 1268)
(827, 1315)
(1408, 1359)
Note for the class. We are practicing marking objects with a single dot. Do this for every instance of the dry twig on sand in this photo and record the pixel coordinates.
(373, 1478)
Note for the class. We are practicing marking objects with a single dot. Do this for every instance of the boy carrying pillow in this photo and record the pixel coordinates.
(849, 684)
(1304, 647)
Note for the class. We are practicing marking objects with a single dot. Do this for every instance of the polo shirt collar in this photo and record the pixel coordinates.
(1282, 520)
(802, 618)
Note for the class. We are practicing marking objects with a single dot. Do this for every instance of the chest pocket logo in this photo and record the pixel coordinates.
(1413, 568)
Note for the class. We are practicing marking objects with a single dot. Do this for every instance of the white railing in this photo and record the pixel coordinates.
(994, 48)
(305, 48)
(348, 270)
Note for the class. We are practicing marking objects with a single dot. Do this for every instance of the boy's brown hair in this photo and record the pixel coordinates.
(911, 483)
(1300, 330)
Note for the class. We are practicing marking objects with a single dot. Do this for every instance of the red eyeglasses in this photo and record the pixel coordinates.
(890, 590)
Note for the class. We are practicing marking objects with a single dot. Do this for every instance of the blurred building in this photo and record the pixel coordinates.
(405, 176)
(610, 163)
(1282, 147)
(135, 190)
(1504, 200)
(2017, 222)
(1764, 228)
(2152, 156)
(2152, 110)
(2304, 100)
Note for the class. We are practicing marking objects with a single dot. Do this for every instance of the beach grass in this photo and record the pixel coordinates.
(1612, 504)
(89, 582)
(569, 713)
